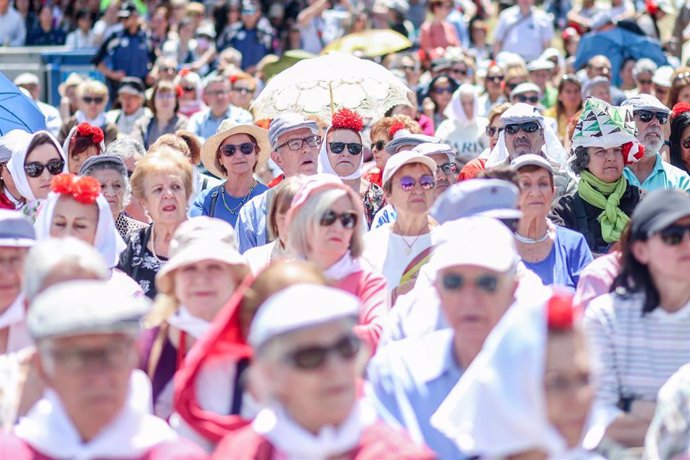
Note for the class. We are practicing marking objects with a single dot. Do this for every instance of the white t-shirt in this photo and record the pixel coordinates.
(524, 36)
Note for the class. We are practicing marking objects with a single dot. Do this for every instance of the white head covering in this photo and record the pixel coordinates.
(65, 145)
(454, 111)
(325, 164)
(16, 165)
(107, 242)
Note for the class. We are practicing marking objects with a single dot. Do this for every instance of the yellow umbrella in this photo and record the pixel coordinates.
(370, 43)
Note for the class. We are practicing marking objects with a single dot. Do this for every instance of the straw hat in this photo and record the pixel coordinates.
(209, 152)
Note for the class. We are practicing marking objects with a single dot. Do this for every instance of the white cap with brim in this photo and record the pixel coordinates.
(299, 307)
(26, 78)
(645, 102)
(85, 307)
(478, 197)
(523, 88)
(530, 159)
(15, 230)
(403, 158)
(430, 148)
(540, 64)
(408, 140)
(209, 151)
(662, 76)
(522, 113)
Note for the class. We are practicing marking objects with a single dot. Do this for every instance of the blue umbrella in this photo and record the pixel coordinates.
(18, 111)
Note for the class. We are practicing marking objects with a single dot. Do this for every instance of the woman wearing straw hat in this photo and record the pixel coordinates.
(234, 152)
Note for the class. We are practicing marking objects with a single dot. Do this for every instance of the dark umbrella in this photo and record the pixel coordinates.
(18, 111)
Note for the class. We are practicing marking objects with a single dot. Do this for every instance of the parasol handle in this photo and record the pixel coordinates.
(330, 94)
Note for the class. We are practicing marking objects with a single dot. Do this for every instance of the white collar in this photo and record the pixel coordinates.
(343, 267)
(183, 320)
(14, 314)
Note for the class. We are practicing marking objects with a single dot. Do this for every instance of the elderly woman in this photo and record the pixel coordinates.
(680, 136)
(603, 142)
(93, 99)
(305, 373)
(203, 272)
(164, 118)
(464, 128)
(398, 250)
(162, 182)
(234, 152)
(556, 254)
(111, 172)
(325, 227)
(83, 141)
(130, 152)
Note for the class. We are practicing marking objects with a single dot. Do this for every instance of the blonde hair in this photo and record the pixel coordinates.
(92, 87)
(282, 199)
(161, 159)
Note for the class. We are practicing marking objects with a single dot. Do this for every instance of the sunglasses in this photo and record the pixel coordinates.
(352, 147)
(686, 143)
(512, 86)
(93, 100)
(459, 71)
(448, 168)
(246, 148)
(168, 69)
(455, 282)
(492, 130)
(647, 115)
(313, 357)
(682, 76)
(188, 89)
(378, 145)
(529, 127)
(347, 219)
(495, 78)
(35, 169)
(673, 235)
(408, 183)
(443, 89)
(523, 98)
(296, 144)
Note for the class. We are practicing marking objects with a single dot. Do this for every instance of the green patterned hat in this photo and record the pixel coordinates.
(603, 125)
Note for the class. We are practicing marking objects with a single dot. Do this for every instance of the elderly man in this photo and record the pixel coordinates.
(97, 405)
(131, 97)
(651, 172)
(446, 170)
(600, 66)
(32, 85)
(295, 144)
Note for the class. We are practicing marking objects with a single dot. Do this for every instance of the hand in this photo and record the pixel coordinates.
(428, 107)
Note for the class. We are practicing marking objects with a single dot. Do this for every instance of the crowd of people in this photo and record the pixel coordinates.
(499, 268)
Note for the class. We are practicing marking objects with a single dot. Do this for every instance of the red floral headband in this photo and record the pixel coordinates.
(84, 189)
(680, 109)
(395, 127)
(87, 130)
(347, 119)
(559, 311)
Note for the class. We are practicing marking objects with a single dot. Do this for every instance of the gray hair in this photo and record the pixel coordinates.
(580, 160)
(55, 255)
(112, 166)
(642, 66)
(216, 79)
(126, 147)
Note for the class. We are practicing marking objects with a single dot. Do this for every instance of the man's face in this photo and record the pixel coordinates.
(11, 271)
(295, 155)
(523, 138)
(446, 173)
(602, 91)
(217, 96)
(650, 131)
(599, 66)
(130, 102)
(644, 82)
(540, 77)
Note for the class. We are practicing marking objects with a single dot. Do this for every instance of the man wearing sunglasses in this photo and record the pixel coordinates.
(446, 169)
(527, 93)
(651, 172)
(475, 283)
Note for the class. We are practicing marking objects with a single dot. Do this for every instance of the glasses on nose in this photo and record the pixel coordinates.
(315, 356)
(77, 360)
(443, 89)
(408, 183)
(448, 168)
(491, 131)
(35, 169)
(347, 219)
(378, 145)
(647, 115)
(242, 90)
(455, 282)
(246, 148)
(339, 147)
(495, 78)
(673, 235)
(217, 93)
(93, 99)
(529, 127)
(296, 144)
(530, 99)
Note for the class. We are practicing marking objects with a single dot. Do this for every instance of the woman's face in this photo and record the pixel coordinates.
(77, 159)
(413, 202)
(379, 141)
(165, 101)
(344, 163)
(467, 101)
(569, 393)
(606, 164)
(204, 287)
(242, 93)
(188, 91)
(43, 155)
(536, 193)
(165, 197)
(496, 126)
(685, 151)
(441, 93)
(570, 95)
(92, 104)
(684, 94)
(238, 163)
(493, 81)
(75, 219)
(333, 241)
(112, 188)
(665, 260)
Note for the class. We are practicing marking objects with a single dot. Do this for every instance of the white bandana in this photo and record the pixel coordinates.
(456, 112)
(186, 322)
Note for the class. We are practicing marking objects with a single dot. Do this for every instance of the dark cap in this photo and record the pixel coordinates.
(661, 208)
(126, 10)
(131, 85)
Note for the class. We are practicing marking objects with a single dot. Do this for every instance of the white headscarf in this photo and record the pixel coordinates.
(325, 164)
(455, 112)
(16, 165)
(107, 242)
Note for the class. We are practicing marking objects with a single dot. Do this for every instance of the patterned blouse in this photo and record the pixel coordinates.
(140, 263)
(126, 225)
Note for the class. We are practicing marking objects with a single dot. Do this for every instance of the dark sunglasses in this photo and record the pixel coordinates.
(512, 86)
(647, 115)
(246, 148)
(492, 130)
(93, 100)
(35, 169)
(448, 168)
(313, 357)
(459, 71)
(188, 89)
(378, 145)
(347, 219)
(686, 143)
(443, 89)
(495, 78)
(529, 127)
(455, 282)
(673, 235)
(352, 147)
(523, 98)
(408, 183)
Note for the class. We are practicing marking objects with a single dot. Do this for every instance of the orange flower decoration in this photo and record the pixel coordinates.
(84, 189)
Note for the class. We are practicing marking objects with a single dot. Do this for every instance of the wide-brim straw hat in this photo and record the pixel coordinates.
(209, 152)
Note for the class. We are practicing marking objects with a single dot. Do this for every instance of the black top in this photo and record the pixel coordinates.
(139, 263)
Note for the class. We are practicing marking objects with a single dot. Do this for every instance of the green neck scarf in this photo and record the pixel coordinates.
(606, 196)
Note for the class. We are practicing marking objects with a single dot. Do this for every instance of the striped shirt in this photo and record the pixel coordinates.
(636, 353)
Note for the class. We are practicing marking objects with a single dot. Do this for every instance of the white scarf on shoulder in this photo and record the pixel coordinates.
(343, 267)
(186, 322)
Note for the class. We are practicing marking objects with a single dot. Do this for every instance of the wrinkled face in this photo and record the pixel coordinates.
(644, 82)
(598, 66)
(11, 273)
(76, 159)
(650, 133)
(43, 155)
(204, 287)
(331, 242)
(606, 164)
(602, 91)
(75, 219)
(536, 192)
(663, 259)
(521, 142)
(344, 163)
(569, 392)
(217, 96)
(413, 202)
(300, 161)
(238, 163)
(165, 197)
(130, 102)
(570, 95)
(93, 104)
(446, 173)
(113, 189)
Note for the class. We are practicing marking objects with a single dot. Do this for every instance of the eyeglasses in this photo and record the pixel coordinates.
(443, 89)
(296, 144)
(352, 147)
(448, 168)
(246, 148)
(512, 86)
(165, 95)
(35, 169)
(495, 78)
(220, 92)
(455, 282)
(93, 100)
(686, 143)
(529, 127)
(347, 219)
(378, 145)
(647, 115)
(313, 357)
(673, 235)
(408, 183)
(242, 90)
(523, 98)
(114, 356)
(492, 130)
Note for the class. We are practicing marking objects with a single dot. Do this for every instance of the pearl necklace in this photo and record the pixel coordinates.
(153, 245)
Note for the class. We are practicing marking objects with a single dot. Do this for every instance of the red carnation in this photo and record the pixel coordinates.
(86, 189)
(651, 7)
(87, 130)
(680, 109)
(179, 91)
(62, 183)
(395, 127)
(559, 311)
(347, 119)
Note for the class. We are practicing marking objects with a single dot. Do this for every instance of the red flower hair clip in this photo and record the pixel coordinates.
(179, 91)
(559, 311)
(395, 127)
(347, 119)
(680, 109)
(87, 130)
(651, 7)
(84, 189)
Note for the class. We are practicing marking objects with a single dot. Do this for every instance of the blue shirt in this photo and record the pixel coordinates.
(129, 53)
(252, 229)
(408, 381)
(202, 203)
(664, 176)
(205, 125)
(569, 255)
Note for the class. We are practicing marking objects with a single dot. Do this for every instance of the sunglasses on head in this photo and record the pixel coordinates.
(339, 147)
(673, 235)
(523, 98)
(315, 356)
(647, 115)
(35, 169)
(443, 89)
(448, 168)
(347, 219)
(408, 183)
(492, 130)
(246, 148)
(455, 282)
(529, 127)
(378, 145)
(93, 100)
